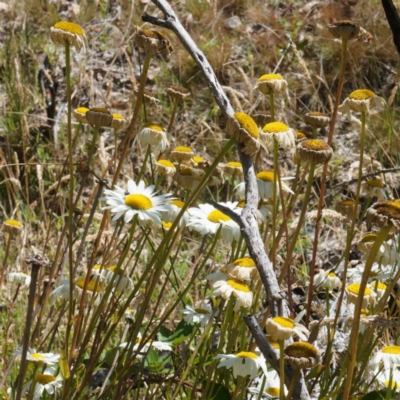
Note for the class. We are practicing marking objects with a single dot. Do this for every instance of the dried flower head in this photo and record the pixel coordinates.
(284, 135)
(316, 119)
(99, 117)
(80, 114)
(233, 168)
(165, 167)
(118, 122)
(327, 280)
(353, 291)
(243, 269)
(301, 355)
(362, 100)
(348, 208)
(345, 29)
(244, 129)
(283, 328)
(189, 178)
(182, 153)
(271, 83)
(300, 136)
(385, 212)
(65, 31)
(12, 227)
(366, 242)
(374, 188)
(153, 135)
(178, 93)
(314, 150)
(153, 41)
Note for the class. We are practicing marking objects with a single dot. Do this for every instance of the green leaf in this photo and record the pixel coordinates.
(219, 392)
(109, 357)
(182, 332)
(378, 395)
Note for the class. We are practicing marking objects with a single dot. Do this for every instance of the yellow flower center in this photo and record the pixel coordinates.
(347, 203)
(153, 34)
(177, 203)
(234, 164)
(395, 385)
(38, 356)
(241, 203)
(332, 275)
(100, 110)
(390, 209)
(354, 288)
(267, 176)
(247, 354)
(362, 94)
(166, 225)
(272, 342)
(44, 379)
(375, 183)
(391, 350)
(315, 144)
(316, 114)
(138, 202)
(245, 262)
(82, 110)
(284, 322)
(198, 159)
(238, 285)
(379, 285)
(118, 271)
(153, 127)
(368, 238)
(301, 349)
(247, 123)
(275, 127)
(273, 391)
(96, 267)
(300, 135)
(217, 216)
(183, 149)
(70, 27)
(166, 163)
(13, 223)
(93, 285)
(118, 116)
(270, 77)
(202, 311)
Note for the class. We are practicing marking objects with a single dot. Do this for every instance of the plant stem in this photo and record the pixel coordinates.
(5, 259)
(172, 120)
(274, 202)
(293, 383)
(272, 106)
(281, 370)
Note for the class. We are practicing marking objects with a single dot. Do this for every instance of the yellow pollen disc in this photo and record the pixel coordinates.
(99, 110)
(270, 77)
(13, 223)
(380, 286)
(38, 356)
(154, 34)
(241, 203)
(183, 149)
(395, 385)
(273, 391)
(166, 225)
(118, 116)
(198, 159)
(301, 349)
(355, 289)
(70, 27)
(316, 114)
(138, 202)
(44, 379)
(247, 354)
(347, 203)
(177, 203)
(275, 127)
(300, 135)
(332, 275)
(166, 163)
(153, 127)
(272, 342)
(315, 144)
(362, 94)
(234, 164)
(93, 285)
(82, 110)
(247, 123)
(284, 322)
(118, 271)
(391, 350)
(186, 171)
(368, 238)
(245, 262)
(266, 176)
(217, 216)
(238, 285)
(201, 311)
(375, 183)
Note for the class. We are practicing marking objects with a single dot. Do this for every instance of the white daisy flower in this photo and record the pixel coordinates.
(225, 287)
(153, 135)
(20, 278)
(34, 356)
(362, 100)
(243, 269)
(284, 135)
(200, 315)
(161, 346)
(47, 381)
(271, 386)
(389, 355)
(139, 200)
(283, 328)
(243, 363)
(387, 375)
(378, 272)
(379, 288)
(118, 279)
(207, 220)
(353, 292)
(63, 290)
(172, 213)
(327, 280)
